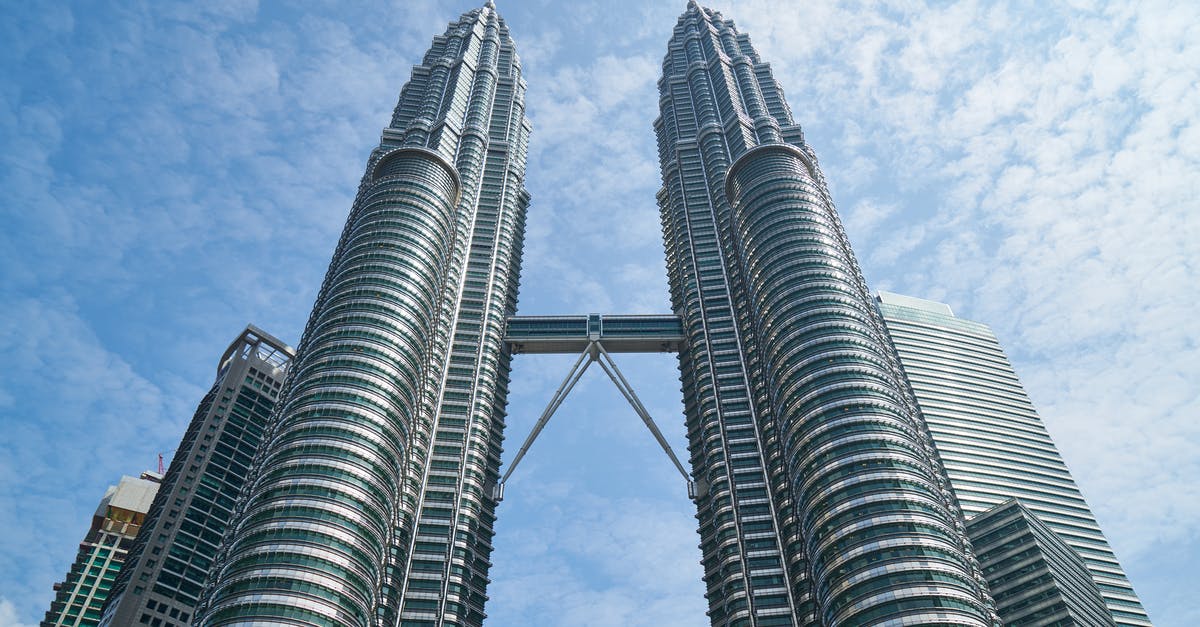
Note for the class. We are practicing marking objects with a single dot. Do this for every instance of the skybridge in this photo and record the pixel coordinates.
(572, 334)
(593, 337)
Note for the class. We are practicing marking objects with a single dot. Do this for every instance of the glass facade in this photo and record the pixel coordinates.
(572, 334)
(371, 502)
(169, 562)
(119, 519)
(990, 437)
(826, 503)
(1035, 578)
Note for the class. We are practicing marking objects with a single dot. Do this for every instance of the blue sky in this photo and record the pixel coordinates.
(171, 172)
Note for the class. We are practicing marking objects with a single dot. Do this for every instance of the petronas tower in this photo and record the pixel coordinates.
(821, 496)
(368, 504)
(827, 503)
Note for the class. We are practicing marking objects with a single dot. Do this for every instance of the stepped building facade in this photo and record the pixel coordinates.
(1035, 578)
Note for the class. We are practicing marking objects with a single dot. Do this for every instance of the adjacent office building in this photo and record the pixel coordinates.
(370, 504)
(161, 582)
(117, 521)
(991, 440)
(1035, 579)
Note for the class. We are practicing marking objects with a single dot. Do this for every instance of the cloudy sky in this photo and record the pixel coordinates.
(170, 172)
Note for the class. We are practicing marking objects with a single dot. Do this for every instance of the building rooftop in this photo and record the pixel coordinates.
(912, 302)
(133, 494)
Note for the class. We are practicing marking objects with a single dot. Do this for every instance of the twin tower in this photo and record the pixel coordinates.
(821, 497)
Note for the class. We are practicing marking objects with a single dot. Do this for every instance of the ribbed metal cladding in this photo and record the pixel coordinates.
(1036, 578)
(314, 533)
(828, 505)
(991, 439)
(371, 502)
(881, 535)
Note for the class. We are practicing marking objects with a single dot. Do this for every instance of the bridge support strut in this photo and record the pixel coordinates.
(595, 353)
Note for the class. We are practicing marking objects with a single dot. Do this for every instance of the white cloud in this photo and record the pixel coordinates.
(593, 178)
(863, 219)
(592, 560)
(56, 461)
(8, 615)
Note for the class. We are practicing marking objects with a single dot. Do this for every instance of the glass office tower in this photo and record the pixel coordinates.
(119, 518)
(161, 582)
(826, 503)
(370, 501)
(1035, 579)
(990, 437)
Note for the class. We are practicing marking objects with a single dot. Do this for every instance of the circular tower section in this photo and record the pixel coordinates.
(312, 538)
(881, 539)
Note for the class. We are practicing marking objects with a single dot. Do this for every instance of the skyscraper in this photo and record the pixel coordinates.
(992, 441)
(370, 502)
(821, 497)
(827, 503)
(1035, 579)
(161, 582)
(118, 520)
